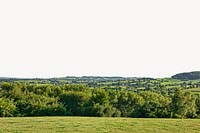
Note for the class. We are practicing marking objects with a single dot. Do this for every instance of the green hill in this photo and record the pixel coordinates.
(187, 75)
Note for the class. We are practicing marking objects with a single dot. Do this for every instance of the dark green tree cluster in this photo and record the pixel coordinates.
(187, 75)
(18, 99)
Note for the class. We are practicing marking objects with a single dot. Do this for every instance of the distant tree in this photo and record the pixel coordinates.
(37, 105)
(197, 102)
(155, 106)
(99, 105)
(128, 102)
(75, 87)
(100, 96)
(187, 75)
(183, 104)
(73, 101)
(6, 86)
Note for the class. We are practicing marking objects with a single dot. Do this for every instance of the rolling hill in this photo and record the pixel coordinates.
(187, 75)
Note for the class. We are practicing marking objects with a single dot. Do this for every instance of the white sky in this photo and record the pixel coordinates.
(56, 38)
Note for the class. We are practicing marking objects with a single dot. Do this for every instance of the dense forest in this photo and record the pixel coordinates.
(187, 75)
(101, 97)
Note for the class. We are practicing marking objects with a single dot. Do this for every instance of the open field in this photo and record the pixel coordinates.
(97, 124)
(197, 90)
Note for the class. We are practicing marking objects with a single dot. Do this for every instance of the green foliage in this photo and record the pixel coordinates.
(7, 107)
(198, 104)
(155, 106)
(183, 104)
(38, 105)
(99, 105)
(73, 101)
(25, 99)
(105, 111)
(128, 102)
(100, 96)
(6, 86)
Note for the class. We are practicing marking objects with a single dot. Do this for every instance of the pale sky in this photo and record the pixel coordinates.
(137, 38)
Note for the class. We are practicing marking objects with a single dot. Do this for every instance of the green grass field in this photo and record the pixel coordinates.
(92, 124)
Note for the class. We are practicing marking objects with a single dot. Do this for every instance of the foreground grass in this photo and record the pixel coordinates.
(91, 125)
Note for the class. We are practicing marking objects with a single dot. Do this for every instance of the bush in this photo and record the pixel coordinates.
(7, 107)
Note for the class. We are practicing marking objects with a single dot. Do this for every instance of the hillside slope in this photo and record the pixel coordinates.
(187, 75)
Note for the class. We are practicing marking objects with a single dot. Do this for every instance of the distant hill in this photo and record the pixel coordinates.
(187, 75)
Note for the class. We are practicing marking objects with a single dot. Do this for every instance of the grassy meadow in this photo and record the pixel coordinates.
(97, 124)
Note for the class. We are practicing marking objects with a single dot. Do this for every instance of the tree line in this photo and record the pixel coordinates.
(22, 99)
(187, 75)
